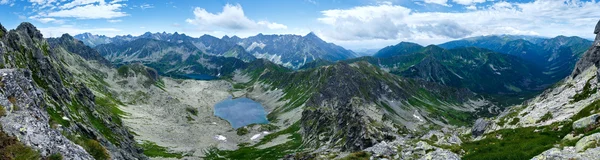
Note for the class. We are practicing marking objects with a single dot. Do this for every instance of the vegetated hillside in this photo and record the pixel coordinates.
(53, 111)
(480, 70)
(556, 56)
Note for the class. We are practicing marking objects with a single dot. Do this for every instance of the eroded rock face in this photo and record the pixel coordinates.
(27, 119)
(591, 57)
(479, 127)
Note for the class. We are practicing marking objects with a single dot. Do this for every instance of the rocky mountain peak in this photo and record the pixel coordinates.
(590, 57)
(66, 36)
(31, 30)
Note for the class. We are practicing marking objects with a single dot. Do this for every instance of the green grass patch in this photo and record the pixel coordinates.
(153, 150)
(545, 117)
(56, 117)
(192, 111)
(361, 155)
(519, 143)
(242, 131)
(588, 110)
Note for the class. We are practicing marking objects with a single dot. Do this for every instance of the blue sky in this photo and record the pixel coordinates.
(353, 24)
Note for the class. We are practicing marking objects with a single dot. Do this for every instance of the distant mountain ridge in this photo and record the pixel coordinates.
(556, 55)
(291, 51)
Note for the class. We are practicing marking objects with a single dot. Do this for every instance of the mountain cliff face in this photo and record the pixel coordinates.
(52, 110)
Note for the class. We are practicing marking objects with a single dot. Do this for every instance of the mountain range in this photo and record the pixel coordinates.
(288, 50)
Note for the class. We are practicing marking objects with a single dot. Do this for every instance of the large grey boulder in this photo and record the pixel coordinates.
(479, 127)
(586, 122)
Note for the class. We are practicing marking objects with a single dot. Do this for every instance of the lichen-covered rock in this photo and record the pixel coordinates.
(440, 154)
(586, 122)
(568, 153)
(27, 119)
(591, 141)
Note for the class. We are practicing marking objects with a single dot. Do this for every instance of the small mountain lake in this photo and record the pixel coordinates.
(241, 112)
(200, 76)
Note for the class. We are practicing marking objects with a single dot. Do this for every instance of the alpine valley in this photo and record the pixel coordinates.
(173, 96)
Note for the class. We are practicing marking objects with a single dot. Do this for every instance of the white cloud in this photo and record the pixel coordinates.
(47, 20)
(231, 18)
(146, 6)
(468, 2)
(80, 2)
(366, 22)
(73, 30)
(114, 20)
(440, 2)
(91, 11)
(472, 7)
(386, 22)
(2, 2)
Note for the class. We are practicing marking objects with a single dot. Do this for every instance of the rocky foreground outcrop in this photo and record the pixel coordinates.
(27, 119)
(52, 110)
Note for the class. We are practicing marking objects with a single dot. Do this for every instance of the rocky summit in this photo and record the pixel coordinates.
(430, 80)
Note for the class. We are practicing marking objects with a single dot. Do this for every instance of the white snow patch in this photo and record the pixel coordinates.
(254, 137)
(221, 138)
(419, 118)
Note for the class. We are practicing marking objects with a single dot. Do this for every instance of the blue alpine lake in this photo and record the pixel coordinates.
(200, 76)
(241, 112)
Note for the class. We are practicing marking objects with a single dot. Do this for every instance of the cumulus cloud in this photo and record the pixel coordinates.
(366, 22)
(73, 30)
(231, 18)
(387, 21)
(448, 29)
